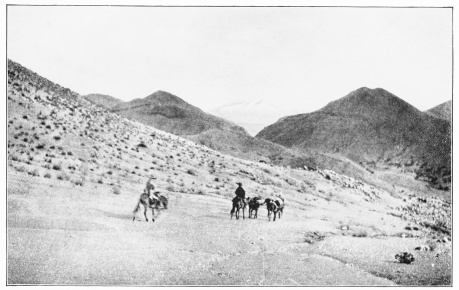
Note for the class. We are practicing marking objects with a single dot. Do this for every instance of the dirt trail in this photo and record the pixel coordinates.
(67, 236)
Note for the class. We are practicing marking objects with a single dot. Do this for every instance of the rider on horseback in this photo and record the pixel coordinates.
(150, 189)
(240, 192)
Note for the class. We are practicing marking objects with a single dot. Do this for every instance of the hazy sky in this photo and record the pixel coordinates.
(297, 58)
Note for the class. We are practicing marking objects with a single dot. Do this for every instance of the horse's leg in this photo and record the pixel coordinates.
(232, 212)
(135, 211)
(243, 212)
(152, 214)
(145, 212)
(275, 213)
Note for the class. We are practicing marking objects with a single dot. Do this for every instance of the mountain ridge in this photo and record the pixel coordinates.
(442, 111)
(368, 126)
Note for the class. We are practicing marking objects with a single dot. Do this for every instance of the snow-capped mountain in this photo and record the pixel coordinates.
(251, 115)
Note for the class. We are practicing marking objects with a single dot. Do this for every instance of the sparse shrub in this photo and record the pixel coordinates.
(70, 153)
(20, 169)
(57, 166)
(99, 180)
(192, 172)
(14, 157)
(63, 176)
(79, 182)
(57, 138)
(360, 233)
(432, 245)
(47, 175)
(170, 187)
(116, 190)
(110, 172)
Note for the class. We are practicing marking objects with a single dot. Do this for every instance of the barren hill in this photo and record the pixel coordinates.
(369, 126)
(105, 101)
(442, 111)
(169, 113)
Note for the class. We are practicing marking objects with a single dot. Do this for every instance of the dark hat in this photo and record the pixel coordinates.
(238, 183)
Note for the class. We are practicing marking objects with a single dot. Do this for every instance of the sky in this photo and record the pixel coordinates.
(298, 58)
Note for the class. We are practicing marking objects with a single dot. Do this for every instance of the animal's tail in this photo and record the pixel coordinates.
(137, 207)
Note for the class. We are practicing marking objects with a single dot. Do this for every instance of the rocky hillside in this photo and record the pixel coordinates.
(370, 126)
(105, 101)
(170, 113)
(442, 111)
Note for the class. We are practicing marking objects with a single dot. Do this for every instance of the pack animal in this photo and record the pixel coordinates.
(274, 207)
(254, 205)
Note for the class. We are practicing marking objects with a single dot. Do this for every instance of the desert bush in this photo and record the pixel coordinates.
(70, 153)
(57, 138)
(432, 245)
(99, 180)
(79, 182)
(33, 172)
(47, 175)
(192, 172)
(63, 176)
(14, 157)
(20, 169)
(170, 187)
(57, 166)
(116, 190)
(360, 233)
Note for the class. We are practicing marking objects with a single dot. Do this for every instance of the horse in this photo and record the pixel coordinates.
(254, 204)
(274, 206)
(152, 203)
(238, 204)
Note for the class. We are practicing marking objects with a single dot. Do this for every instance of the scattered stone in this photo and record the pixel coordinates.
(405, 257)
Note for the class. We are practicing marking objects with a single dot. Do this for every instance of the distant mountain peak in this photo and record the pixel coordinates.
(164, 97)
(442, 111)
(375, 102)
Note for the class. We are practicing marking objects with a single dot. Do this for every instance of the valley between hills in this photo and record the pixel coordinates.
(78, 164)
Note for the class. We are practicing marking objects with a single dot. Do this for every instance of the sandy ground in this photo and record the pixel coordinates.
(64, 235)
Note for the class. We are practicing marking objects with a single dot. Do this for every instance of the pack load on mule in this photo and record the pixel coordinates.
(275, 205)
(151, 199)
(239, 202)
(254, 204)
